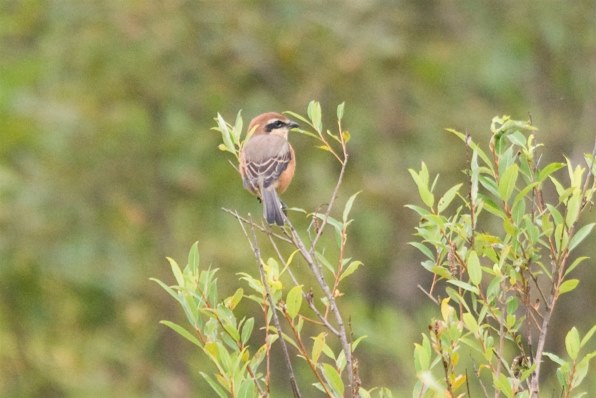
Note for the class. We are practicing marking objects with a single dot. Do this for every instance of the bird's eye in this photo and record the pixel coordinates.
(278, 123)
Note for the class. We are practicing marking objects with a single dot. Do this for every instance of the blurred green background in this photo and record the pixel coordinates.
(108, 164)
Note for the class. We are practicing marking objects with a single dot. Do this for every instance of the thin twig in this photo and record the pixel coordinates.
(257, 252)
(331, 201)
(267, 231)
(428, 294)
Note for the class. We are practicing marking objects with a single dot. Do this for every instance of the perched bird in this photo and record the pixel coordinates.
(267, 162)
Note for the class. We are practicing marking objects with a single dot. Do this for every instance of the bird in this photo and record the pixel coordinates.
(267, 162)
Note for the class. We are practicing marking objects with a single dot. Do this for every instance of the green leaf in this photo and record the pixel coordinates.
(588, 336)
(555, 358)
(447, 198)
(294, 301)
(247, 389)
(421, 179)
(548, 170)
(182, 332)
(558, 187)
(573, 207)
(348, 206)
(177, 296)
(568, 286)
(581, 371)
(556, 215)
(474, 269)
(314, 113)
(193, 257)
(502, 384)
(463, 285)
(517, 138)
(468, 141)
(420, 210)
(424, 249)
(176, 271)
(430, 382)
(317, 347)
(580, 235)
(475, 177)
(508, 181)
(225, 133)
(334, 379)
(350, 269)
(355, 343)
(232, 301)
(470, 322)
(247, 330)
(325, 262)
(237, 130)
(214, 386)
(572, 343)
(422, 354)
(340, 110)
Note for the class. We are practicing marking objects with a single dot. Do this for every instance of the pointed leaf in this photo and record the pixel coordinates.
(350, 269)
(176, 271)
(348, 206)
(182, 332)
(247, 330)
(317, 348)
(580, 235)
(340, 110)
(474, 269)
(216, 387)
(568, 286)
(447, 198)
(508, 181)
(314, 113)
(588, 336)
(572, 343)
(334, 379)
(225, 133)
(294, 301)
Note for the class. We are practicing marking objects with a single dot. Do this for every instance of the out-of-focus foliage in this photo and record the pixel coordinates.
(107, 163)
(503, 254)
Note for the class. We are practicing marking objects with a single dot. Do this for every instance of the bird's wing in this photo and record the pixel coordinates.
(265, 158)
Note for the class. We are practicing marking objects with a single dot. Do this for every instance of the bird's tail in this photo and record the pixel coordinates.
(272, 207)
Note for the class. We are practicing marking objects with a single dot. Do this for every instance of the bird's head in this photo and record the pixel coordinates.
(272, 123)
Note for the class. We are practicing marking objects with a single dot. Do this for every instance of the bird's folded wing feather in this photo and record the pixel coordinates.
(265, 160)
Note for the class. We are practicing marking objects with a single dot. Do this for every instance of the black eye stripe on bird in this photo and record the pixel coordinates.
(275, 124)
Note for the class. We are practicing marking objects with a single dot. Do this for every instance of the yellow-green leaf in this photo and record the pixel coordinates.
(580, 235)
(568, 286)
(447, 198)
(294, 301)
(572, 343)
(474, 269)
(317, 347)
(508, 181)
(340, 110)
(350, 269)
(334, 379)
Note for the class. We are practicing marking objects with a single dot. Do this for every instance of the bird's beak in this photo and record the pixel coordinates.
(292, 124)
